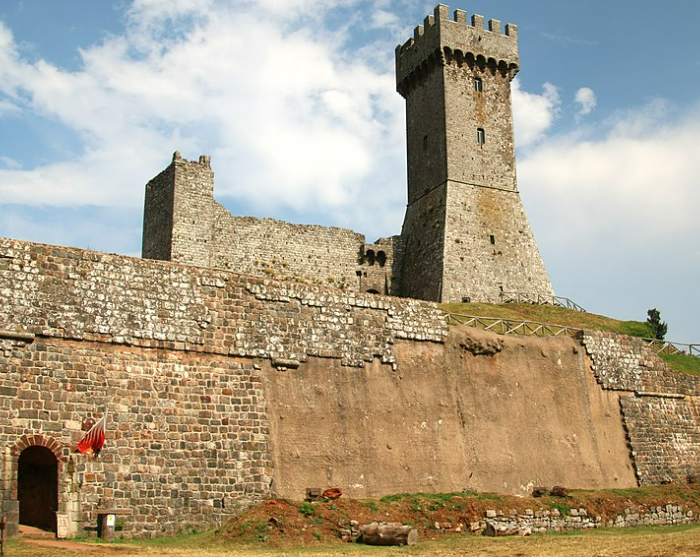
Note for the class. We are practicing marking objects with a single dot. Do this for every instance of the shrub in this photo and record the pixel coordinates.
(658, 327)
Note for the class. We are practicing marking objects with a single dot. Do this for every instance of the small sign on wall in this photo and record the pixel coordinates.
(62, 529)
(111, 520)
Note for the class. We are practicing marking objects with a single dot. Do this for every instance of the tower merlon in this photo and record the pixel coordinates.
(440, 32)
(204, 160)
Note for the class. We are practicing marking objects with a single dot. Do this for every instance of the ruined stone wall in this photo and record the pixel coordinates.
(158, 209)
(193, 218)
(379, 269)
(303, 253)
(544, 521)
(183, 224)
(662, 409)
(178, 213)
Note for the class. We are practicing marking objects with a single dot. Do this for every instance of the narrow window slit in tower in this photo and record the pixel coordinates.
(493, 239)
(478, 85)
(480, 136)
(425, 143)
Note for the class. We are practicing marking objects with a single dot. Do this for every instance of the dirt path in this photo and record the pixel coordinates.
(657, 542)
(76, 546)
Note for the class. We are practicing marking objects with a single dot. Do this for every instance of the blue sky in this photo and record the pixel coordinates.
(295, 102)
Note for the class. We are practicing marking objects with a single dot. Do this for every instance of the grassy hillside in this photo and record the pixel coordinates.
(683, 362)
(552, 315)
(570, 318)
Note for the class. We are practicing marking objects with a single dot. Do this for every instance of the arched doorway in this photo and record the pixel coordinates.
(37, 487)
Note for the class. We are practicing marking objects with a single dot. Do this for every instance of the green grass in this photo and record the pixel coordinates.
(371, 505)
(441, 497)
(552, 315)
(682, 362)
(563, 508)
(307, 509)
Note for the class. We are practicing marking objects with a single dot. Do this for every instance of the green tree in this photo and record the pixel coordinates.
(658, 327)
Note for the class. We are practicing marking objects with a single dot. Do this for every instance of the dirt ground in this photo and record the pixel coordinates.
(646, 542)
(279, 527)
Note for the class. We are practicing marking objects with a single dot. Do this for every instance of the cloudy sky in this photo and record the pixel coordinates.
(295, 101)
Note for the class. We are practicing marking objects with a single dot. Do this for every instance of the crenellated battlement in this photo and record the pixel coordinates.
(443, 39)
(204, 160)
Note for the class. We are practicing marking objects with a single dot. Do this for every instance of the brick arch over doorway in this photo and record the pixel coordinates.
(43, 441)
(38, 464)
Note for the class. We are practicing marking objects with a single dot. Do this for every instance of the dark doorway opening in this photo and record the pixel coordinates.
(37, 487)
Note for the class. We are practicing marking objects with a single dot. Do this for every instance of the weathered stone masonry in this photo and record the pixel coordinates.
(159, 347)
(660, 407)
(184, 224)
(465, 234)
(187, 436)
(224, 388)
(211, 381)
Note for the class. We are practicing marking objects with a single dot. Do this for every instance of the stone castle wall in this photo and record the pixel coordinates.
(187, 435)
(175, 355)
(211, 380)
(662, 409)
(502, 257)
(423, 234)
(205, 234)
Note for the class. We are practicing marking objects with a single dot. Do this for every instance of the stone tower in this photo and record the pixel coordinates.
(178, 215)
(465, 233)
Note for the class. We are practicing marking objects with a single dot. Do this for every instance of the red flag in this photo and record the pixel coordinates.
(92, 442)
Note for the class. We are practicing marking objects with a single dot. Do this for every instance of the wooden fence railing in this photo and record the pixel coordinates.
(511, 327)
(666, 347)
(533, 328)
(539, 299)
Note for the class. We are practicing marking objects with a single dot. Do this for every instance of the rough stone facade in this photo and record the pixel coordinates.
(541, 522)
(184, 224)
(222, 389)
(188, 437)
(465, 234)
(660, 411)
(465, 220)
(174, 355)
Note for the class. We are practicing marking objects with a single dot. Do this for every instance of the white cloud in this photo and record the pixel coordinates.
(635, 188)
(6, 107)
(384, 18)
(297, 124)
(282, 110)
(534, 114)
(9, 162)
(587, 101)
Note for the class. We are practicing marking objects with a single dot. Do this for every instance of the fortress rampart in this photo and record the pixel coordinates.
(245, 358)
(222, 389)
